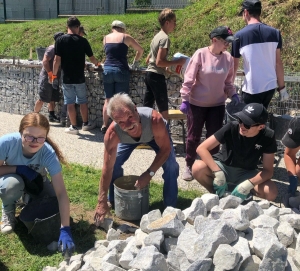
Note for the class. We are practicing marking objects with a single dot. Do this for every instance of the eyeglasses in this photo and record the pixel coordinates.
(29, 138)
(248, 126)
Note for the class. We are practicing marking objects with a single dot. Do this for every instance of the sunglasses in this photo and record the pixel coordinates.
(32, 139)
(248, 126)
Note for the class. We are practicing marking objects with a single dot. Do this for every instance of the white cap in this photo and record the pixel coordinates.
(118, 24)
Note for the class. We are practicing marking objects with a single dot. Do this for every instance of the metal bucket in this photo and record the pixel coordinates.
(40, 51)
(231, 109)
(130, 203)
(42, 219)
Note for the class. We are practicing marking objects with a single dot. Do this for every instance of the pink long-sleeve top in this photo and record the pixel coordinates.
(208, 79)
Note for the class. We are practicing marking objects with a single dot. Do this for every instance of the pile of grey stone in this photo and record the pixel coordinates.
(212, 234)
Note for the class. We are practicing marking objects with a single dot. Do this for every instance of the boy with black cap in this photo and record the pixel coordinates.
(291, 140)
(47, 93)
(243, 142)
(259, 45)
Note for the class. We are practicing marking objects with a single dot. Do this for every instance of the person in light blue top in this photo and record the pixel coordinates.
(26, 158)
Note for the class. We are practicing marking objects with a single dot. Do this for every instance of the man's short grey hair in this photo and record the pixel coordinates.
(119, 100)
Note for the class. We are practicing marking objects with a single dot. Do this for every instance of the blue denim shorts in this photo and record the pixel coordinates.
(74, 93)
(115, 80)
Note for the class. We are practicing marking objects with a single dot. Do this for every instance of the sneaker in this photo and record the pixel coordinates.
(8, 222)
(187, 174)
(53, 118)
(72, 130)
(89, 126)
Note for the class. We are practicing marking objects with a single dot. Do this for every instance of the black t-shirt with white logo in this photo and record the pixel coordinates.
(240, 151)
(72, 49)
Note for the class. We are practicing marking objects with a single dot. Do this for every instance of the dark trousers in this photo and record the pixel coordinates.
(197, 116)
(261, 98)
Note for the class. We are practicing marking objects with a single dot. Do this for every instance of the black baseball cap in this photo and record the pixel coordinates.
(224, 32)
(292, 137)
(250, 5)
(57, 35)
(253, 113)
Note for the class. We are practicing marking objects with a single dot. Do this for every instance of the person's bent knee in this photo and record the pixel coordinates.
(267, 190)
(12, 186)
(198, 169)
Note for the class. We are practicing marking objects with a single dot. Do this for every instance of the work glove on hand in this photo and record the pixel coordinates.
(33, 181)
(243, 189)
(219, 183)
(293, 180)
(184, 107)
(50, 74)
(65, 242)
(283, 95)
(235, 99)
(55, 82)
(135, 65)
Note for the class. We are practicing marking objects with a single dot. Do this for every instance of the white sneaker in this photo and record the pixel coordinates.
(72, 130)
(89, 126)
(187, 174)
(8, 222)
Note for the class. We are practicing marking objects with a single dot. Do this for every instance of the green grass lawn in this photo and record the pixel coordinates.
(18, 251)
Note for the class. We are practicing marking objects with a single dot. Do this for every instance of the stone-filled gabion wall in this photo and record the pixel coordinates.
(19, 86)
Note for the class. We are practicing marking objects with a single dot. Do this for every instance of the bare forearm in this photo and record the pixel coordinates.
(160, 159)
(64, 209)
(7, 170)
(56, 65)
(262, 176)
(208, 159)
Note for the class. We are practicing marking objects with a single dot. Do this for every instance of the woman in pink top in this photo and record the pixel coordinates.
(208, 82)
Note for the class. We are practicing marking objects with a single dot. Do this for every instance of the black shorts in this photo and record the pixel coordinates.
(156, 91)
(47, 92)
(261, 98)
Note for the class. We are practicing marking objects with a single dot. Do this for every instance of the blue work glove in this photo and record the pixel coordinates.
(184, 107)
(235, 99)
(243, 190)
(65, 242)
(293, 180)
(219, 183)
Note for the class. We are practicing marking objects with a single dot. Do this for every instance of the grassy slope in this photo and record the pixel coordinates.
(193, 25)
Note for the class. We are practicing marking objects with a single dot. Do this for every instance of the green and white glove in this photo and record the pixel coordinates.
(243, 189)
(219, 183)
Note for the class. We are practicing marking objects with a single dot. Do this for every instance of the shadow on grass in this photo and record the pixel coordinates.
(83, 236)
(3, 267)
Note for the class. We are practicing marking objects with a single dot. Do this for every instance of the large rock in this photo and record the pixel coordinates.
(226, 257)
(150, 259)
(197, 208)
(275, 257)
(170, 225)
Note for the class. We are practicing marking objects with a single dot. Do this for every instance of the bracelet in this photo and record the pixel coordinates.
(280, 88)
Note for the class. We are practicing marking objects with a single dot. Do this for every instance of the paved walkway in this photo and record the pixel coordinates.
(87, 148)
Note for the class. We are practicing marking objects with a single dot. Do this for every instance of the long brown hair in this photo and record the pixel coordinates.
(39, 120)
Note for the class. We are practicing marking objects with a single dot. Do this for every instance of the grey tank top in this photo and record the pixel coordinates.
(147, 134)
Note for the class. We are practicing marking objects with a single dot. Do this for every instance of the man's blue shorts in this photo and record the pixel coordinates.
(74, 93)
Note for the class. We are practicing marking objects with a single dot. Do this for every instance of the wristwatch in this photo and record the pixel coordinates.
(151, 173)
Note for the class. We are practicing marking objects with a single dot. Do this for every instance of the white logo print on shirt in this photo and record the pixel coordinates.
(257, 147)
(249, 109)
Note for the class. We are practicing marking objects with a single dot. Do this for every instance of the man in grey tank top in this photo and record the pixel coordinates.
(133, 126)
